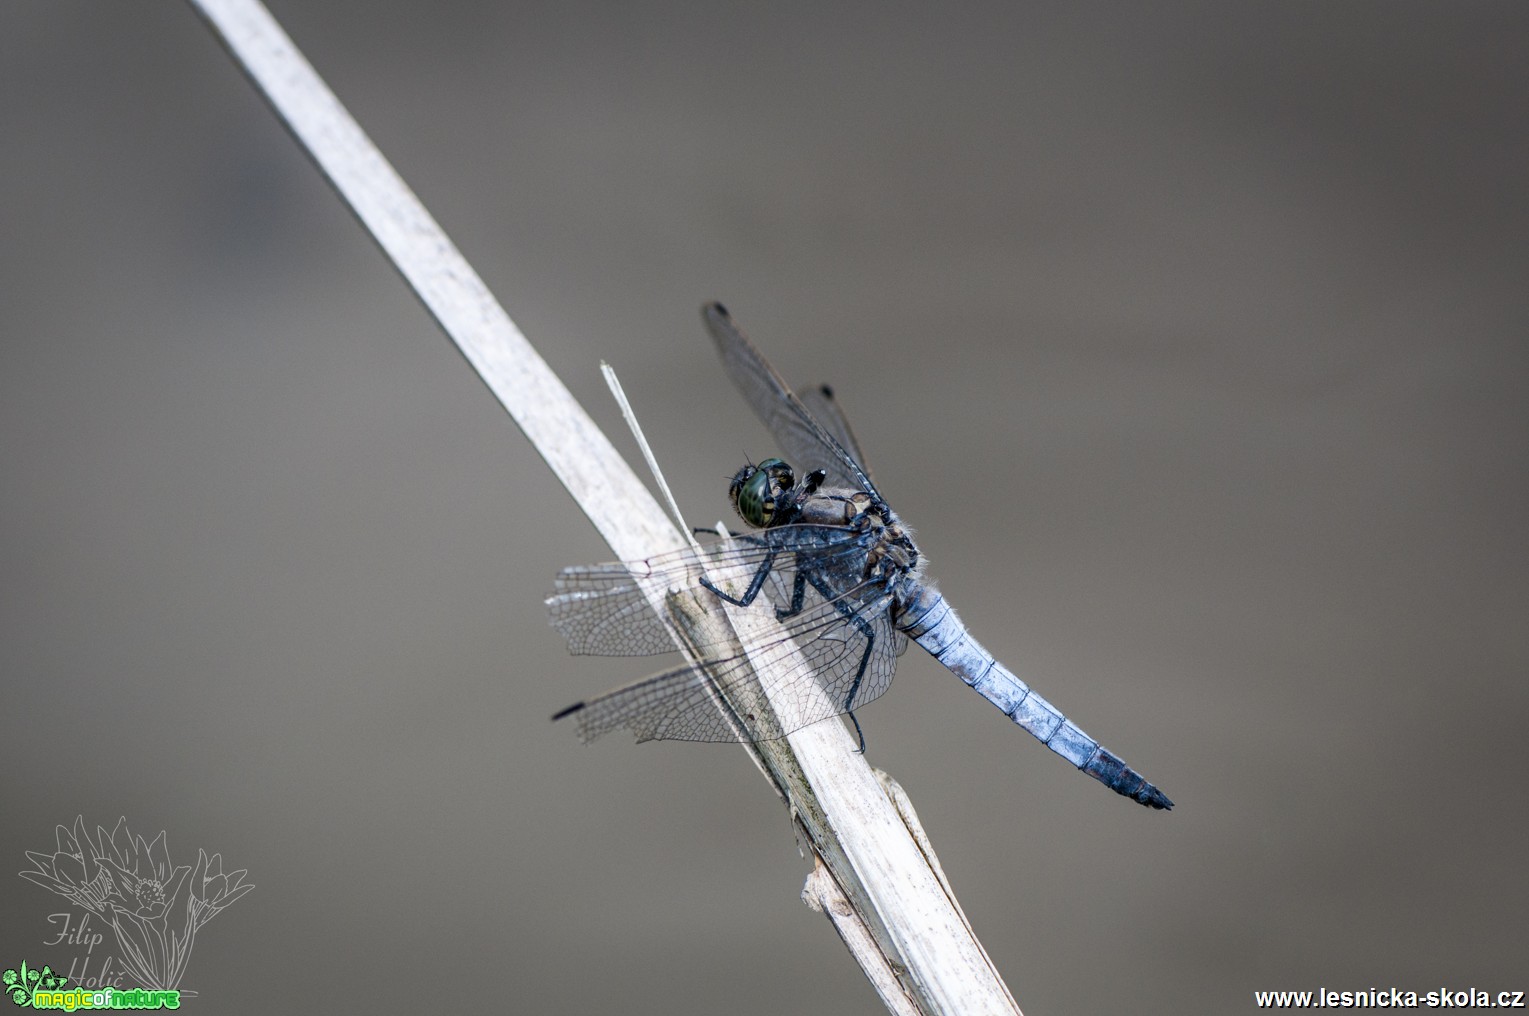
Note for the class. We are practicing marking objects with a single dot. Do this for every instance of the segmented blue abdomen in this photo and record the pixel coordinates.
(930, 621)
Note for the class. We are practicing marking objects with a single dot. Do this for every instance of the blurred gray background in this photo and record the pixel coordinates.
(1191, 337)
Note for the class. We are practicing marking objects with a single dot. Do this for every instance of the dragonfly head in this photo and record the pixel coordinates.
(759, 493)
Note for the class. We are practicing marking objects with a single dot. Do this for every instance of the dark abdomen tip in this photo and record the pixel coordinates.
(1110, 769)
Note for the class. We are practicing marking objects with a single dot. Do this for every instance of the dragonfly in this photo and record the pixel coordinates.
(845, 581)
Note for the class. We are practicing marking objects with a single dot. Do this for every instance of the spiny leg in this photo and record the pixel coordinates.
(755, 583)
(860, 734)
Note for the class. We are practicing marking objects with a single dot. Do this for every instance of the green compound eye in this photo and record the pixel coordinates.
(756, 490)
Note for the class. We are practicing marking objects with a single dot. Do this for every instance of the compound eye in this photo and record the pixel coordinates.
(755, 502)
(756, 491)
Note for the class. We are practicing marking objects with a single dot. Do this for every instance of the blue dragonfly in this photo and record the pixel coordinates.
(844, 579)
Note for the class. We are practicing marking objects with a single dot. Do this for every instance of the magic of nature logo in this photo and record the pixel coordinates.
(43, 989)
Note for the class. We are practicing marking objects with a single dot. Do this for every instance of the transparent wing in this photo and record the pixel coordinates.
(602, 609)
(825, 409)
(807, 442)
(847, 647)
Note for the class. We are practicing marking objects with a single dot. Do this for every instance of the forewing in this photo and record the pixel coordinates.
(603, 610)
(806, 443)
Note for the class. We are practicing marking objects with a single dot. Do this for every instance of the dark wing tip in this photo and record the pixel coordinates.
(714, 308)
(569, 711)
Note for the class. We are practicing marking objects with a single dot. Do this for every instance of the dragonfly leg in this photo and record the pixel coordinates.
(755, 583)
(798, 593)
(858, 732)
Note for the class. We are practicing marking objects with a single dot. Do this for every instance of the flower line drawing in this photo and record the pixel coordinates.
(131, 884)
